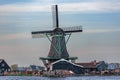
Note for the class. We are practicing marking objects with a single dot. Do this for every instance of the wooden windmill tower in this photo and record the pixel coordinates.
(56, 36)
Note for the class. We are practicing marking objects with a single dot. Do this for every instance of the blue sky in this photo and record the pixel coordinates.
(99, 40)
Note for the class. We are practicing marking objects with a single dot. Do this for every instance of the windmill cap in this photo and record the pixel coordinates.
(58, 31)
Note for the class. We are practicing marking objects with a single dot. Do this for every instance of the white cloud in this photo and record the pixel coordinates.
(100, 30)
(65, 7)
(23, 8)
(91, 6)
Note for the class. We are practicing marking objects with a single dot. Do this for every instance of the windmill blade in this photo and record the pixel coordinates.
(72, 29)
(38, 35)
(55, 16)
(41, 34)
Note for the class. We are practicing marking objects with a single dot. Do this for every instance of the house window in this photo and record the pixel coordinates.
(3, 69)
(3, 65)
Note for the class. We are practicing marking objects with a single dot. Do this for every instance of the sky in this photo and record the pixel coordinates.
(99, 19)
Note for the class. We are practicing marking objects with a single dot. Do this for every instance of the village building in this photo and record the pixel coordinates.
(4, 67)
(63, 64)
(93, 66)
(113, 66)
(35, 68)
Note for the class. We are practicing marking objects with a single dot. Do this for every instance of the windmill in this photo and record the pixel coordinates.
(57, 36)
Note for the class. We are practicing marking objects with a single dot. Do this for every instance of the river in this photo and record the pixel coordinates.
(63, 78)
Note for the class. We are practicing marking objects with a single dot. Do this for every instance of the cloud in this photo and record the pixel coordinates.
(23, 8)
(64, 7)
(100, 30)
(28, 36)
(91, 6)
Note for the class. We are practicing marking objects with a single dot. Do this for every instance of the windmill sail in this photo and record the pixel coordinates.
(72, 29)
(55, 16)
(40, 34)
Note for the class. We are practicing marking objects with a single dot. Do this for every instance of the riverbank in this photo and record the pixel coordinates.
(58, 73)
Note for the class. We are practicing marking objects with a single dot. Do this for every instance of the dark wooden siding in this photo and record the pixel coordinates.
(63, 65)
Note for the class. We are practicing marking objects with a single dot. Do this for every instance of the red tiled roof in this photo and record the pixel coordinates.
(89, 65)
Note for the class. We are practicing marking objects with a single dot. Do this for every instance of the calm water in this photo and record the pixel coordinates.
(65, 78)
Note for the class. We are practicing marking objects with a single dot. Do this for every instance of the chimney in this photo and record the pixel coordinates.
(94, 62)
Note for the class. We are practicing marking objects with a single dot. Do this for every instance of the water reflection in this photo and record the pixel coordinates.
(63, 78)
